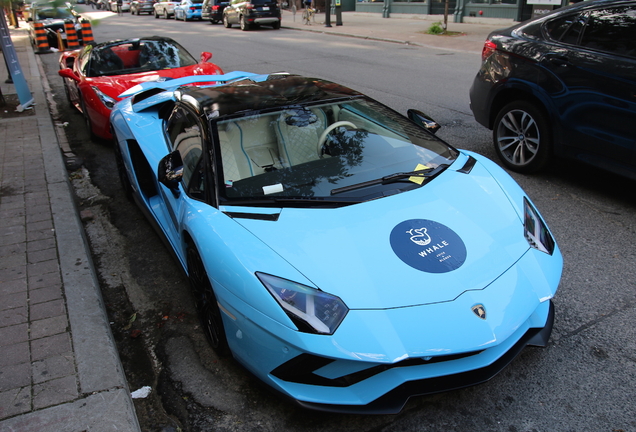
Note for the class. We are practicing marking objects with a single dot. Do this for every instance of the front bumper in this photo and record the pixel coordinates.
(378, 359)
(393, 401)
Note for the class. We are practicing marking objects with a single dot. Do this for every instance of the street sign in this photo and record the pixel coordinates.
(15, 71)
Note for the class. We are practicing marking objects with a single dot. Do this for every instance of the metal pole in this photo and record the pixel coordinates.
(328, 13)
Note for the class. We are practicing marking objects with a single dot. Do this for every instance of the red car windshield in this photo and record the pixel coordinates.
(136, 56)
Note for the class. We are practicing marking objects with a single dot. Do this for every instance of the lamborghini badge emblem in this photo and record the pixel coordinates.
(480, 311)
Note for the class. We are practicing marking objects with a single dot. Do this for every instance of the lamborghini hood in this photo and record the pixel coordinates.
(458, 233)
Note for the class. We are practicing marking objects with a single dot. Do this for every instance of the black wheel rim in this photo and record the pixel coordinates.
(87, 119)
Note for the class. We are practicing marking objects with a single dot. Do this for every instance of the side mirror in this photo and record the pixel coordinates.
(205, 56)
(423, 120)
(170, 171)
(68, 73)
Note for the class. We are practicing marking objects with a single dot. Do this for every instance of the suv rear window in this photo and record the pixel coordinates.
(566, 29)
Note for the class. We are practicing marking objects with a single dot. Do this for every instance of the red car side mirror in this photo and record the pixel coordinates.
(68, 73)
(205, 56)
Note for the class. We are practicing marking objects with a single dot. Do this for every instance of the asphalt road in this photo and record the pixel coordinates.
(585, 380)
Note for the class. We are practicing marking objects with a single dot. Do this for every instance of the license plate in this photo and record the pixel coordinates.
(265, 8)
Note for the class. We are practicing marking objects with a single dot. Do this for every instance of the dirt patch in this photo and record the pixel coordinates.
(9, 105)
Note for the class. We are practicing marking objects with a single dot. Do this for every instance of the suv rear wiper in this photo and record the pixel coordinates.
(391, 178)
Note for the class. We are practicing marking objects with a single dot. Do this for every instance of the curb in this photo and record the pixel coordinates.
(104, 401)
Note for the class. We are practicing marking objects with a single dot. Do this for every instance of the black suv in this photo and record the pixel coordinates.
(213, 10)
(250, 13)
(563, 84)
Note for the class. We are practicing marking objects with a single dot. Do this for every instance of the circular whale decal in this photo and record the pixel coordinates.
(428, 246)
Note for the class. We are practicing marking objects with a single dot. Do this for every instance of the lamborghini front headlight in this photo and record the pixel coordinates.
(311, 310)
(535, 230)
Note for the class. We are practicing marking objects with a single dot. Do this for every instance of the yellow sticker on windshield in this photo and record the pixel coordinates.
(419, 179)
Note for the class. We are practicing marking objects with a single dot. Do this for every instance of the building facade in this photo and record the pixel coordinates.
(517, 10)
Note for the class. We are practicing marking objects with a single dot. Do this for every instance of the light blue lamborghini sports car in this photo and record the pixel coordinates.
(340, 251)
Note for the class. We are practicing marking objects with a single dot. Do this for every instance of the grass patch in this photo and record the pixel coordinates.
(437, 29)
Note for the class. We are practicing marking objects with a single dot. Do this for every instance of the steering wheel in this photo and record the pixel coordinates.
(325, 133)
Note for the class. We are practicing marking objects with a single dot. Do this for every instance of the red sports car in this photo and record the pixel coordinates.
(95, 75)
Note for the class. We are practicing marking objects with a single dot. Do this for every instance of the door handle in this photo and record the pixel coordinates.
(560, 61)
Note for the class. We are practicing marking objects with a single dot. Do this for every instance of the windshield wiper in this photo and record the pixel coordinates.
(292, 202)
(391, 178)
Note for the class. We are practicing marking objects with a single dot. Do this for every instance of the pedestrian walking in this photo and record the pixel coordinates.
(119, 7)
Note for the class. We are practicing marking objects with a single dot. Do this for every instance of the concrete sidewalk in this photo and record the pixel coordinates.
(59, 368)
(402, 29)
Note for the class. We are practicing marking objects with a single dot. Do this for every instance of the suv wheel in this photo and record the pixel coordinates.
(244, 25)
(521, 137)
(226, 22)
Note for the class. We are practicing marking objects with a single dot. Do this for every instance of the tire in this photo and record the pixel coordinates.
(226, 22)
(206, 303)
(154, 12)
(121, 170)
(185, 18)
(87, 121)
(521, 137)
(276, 25)
(244, 25)
(214, 21)
(67, 93)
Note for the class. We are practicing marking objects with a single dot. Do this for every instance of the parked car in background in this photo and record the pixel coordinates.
(125, 6)
(562, 85)
(188, 10)
(250, 13)
(339, 250)
(95, 75)
(165, 9)
(212, 10)
(102, 4)
(138, 7)
(52, 18)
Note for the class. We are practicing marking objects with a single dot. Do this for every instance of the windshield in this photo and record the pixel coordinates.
(313, 152)
(136, 56)
(56, 13)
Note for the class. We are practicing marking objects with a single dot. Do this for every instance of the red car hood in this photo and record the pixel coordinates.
(114, 85)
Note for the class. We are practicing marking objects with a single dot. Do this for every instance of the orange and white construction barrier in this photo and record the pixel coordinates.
(87, 32)
(71, 35)
(41, 42)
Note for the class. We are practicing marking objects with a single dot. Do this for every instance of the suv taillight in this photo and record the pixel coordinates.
(489, 48)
